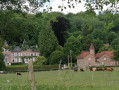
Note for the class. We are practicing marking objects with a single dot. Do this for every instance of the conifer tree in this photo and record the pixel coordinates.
(47, 41)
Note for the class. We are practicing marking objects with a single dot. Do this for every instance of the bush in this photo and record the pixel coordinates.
(40, 60)
(56, 56)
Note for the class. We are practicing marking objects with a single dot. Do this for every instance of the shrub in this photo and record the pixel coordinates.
(40, 60)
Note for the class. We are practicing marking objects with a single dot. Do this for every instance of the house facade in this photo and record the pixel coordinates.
(17, 55)
(89, 58)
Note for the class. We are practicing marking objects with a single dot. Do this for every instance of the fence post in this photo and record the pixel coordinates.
(31, 75)
(60, 64)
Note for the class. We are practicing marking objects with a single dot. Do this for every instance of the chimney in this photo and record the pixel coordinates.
(92, 49)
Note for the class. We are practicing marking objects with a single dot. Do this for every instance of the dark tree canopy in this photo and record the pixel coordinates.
(59, 27)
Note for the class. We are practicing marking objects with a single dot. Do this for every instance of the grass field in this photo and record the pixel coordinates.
(63, 80)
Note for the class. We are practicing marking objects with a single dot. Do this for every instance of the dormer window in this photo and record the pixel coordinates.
(104, 58)
(89, 58)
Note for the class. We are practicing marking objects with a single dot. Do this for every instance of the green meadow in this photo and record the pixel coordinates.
(63, 80)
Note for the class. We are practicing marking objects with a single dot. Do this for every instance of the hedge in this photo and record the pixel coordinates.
(36, 68)
(17, 63)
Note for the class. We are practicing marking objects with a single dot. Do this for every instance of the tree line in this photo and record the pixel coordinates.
(60, 36)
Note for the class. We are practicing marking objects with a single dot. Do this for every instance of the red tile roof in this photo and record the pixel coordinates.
(109, 53)
(98, 55)
(83, 54)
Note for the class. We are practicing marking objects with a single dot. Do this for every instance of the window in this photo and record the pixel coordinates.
(26, 54)
(33, 59)
(26, 60)
(104, 58)
(6, 55)
(21, 54)
(6, 50)
(15, 60)
(6, 60)
(37, 54)
(13, 54)
(31, 54)
(89, 58)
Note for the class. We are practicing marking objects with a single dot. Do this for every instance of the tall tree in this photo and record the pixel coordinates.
(115, 42)
(2, 64)
(60, 28)
(98, 44)
(116, 53)
(73, 47)
(47, 41)
(112, 36)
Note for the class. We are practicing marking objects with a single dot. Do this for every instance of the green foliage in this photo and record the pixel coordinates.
(73, 44)
(101, 34)
(15, 27)
(40, 60)
(2, 64)
(105, 48)
(115, 43)
(86, 41)
(56, 56)
(79, 31)
(111, 36)
(60, 27)
(47, 41)
(116, 53)
(98, 44)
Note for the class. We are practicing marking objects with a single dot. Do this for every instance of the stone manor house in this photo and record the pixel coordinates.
(16, 55)
(89, 58)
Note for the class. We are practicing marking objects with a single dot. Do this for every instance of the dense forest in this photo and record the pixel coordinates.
(58, 35)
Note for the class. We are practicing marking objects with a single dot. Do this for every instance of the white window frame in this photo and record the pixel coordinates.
(105, 58)
(89, 58)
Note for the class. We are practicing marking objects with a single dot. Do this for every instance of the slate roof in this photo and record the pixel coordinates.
(17, 49)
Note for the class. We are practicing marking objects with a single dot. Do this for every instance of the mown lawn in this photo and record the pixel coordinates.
(63, 80)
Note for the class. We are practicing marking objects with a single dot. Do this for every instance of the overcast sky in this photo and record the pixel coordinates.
(55, 3)
(78, 7)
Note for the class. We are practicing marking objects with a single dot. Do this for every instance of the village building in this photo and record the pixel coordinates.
(89, 58)
(17, 55)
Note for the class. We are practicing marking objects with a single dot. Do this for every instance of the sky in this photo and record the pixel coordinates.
(78, 7)
(55, 3)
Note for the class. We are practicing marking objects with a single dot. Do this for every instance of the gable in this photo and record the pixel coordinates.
(83, 54)
(105, 55)
(108, 53)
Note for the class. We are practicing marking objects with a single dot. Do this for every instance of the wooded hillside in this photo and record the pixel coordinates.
(61, 35)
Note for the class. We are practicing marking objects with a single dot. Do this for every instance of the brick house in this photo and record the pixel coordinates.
(16, 55)
(89, 58)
